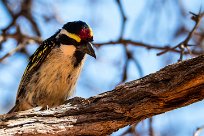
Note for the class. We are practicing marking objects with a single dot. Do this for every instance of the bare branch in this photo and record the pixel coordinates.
(25, 11)
(198, 130)
(19, 47)
(147, 46)
(170, 88)
(184, 44)
(124, 18)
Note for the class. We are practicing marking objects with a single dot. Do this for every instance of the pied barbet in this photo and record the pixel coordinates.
(54, 68)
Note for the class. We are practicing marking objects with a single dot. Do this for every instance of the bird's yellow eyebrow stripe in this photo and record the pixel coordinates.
(71, 35)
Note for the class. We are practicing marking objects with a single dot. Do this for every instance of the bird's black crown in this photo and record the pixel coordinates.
(79, 28)
(75, 27)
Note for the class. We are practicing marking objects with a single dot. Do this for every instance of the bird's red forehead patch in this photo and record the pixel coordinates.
(86, 34)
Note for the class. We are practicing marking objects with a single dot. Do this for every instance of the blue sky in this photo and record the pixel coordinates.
(104, 73)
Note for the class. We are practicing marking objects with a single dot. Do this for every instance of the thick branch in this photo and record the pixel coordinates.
(170, 88)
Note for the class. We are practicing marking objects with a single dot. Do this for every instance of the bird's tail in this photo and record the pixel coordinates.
(14, 109)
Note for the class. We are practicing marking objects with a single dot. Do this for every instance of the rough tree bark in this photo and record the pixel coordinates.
(172, 87)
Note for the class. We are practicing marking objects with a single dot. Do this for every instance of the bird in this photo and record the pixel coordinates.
(52, 72)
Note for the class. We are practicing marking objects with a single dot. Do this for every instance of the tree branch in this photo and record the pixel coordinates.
(184, 44)
(170, 88)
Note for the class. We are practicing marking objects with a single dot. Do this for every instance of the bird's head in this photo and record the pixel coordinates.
(79, 35)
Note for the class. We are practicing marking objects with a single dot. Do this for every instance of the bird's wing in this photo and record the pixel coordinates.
(34, 63)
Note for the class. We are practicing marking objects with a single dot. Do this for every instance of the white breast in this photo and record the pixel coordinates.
(56, 78)
(68, 50)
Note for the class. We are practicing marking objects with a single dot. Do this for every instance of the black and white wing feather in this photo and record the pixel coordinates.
(35, 62)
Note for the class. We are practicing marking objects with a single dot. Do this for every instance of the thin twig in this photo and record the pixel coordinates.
(19, 47)
(184, 44)
(25, 11)
(151, 130)
(198, 130)
(145, 45)
(124, 19)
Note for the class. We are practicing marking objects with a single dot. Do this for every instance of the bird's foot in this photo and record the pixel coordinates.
(45, 108)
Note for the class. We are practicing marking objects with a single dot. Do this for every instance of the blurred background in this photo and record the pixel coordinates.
(133, 38)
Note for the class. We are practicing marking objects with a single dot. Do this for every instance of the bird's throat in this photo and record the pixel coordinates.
(79, 57)
(70, 50)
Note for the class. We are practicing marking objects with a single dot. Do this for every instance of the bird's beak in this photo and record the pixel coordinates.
(88, 49)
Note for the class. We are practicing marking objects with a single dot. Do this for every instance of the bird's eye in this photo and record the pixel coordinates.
(86, 34)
